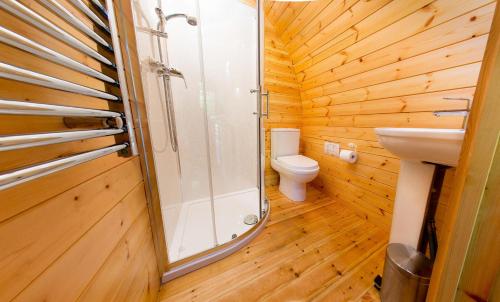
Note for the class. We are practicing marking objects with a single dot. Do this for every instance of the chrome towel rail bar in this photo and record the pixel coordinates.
(16, 142)
(101, 8)
(121, 77)
(70, 18)
(16, 177)
(115, 120)
(87, 11)
(10, 107)
(23, 75)
(13, 39)
(43, 24)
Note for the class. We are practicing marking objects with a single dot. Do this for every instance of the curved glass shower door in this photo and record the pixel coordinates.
(201, 71)
(229, 43)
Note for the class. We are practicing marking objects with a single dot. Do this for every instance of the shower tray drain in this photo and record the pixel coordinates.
(251, 219)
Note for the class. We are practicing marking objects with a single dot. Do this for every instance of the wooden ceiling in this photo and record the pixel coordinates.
(296, 23)
(284, 14)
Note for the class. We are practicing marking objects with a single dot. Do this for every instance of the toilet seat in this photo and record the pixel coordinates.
(295, 172)
(298, 163)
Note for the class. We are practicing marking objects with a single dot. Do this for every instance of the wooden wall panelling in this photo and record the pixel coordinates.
(251, 3)
(289, 14)
(87, 255)
(45, 228)
(363, 65)
(461, 28)
(424, 102)
(330, 20)
(447, 57)
(83, 232)
(275, 10)
(467, 264)
(425, 18)
(267, 7)
(483, 249)
(136, 94)
(305, 16)
(443, 208)
(350, 27)
(120, 267)
(280, 81)
(20, 198)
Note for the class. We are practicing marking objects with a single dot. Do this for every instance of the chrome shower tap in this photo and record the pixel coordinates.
(167, 72)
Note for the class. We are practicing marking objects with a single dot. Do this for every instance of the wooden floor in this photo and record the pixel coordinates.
(317, 250)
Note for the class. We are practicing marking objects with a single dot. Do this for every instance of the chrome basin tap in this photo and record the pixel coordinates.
(456, 112)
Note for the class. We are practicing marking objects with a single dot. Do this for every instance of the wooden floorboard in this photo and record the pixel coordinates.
(316, 250)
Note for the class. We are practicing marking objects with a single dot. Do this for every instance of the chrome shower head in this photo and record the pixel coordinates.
(190, 19)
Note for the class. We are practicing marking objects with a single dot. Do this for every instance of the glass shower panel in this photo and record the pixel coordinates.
(209, 185)
(229, 47)
(195, 229)
(183, 176)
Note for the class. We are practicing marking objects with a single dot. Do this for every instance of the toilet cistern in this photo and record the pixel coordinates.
(295, 170)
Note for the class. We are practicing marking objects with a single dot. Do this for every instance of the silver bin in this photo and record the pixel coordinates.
(407, 274)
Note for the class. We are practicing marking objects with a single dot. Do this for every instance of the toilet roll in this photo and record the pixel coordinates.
(348, 156)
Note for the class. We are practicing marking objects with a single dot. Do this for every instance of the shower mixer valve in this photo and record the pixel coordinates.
(167, 72)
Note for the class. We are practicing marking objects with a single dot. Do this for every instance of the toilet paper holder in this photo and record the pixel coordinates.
(350, 156)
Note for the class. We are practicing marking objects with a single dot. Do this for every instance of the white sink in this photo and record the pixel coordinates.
(419, 149)
(439, 146)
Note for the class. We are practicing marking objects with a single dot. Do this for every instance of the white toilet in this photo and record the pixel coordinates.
(295, 170)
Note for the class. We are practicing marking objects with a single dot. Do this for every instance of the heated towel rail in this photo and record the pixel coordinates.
(102, 30)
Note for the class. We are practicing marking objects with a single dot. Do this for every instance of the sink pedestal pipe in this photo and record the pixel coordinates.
(428, 232)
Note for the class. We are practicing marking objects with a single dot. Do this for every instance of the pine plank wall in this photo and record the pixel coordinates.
(82, 233)
(284, 94)
(362, 64)
(336, 69)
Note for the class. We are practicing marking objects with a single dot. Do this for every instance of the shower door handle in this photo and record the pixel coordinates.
(266, 94)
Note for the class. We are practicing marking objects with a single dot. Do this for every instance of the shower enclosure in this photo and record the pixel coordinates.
(200, 72)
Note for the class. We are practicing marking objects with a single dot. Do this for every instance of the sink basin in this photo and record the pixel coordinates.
(439, 146)
(419, 149)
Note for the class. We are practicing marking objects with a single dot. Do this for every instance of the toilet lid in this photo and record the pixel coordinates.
(298, 162)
